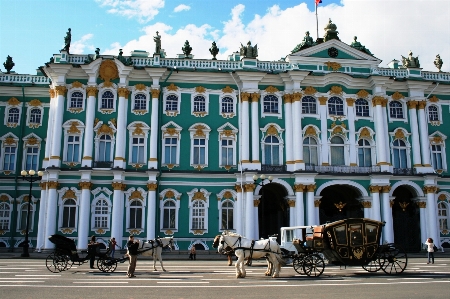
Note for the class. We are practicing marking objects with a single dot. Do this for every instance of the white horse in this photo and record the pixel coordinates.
(154, 249)
(244, 247)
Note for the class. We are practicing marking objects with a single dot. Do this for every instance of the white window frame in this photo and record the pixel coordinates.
(228, 132)
(369, 107)
(317, 146)
(441, 140)
(67, 126)
(280, 138)
(278, 95)
(102, 90)
(194, 131)
(22, 204)
(167, 130)
(392, 119)
(30, 108)
(70, 92)
(168, 93)
(101, 194)
(220, 202)
(169, 195)
(233, 104)
(407, 143)
(140, 90)
(205, 95)
(447, 217)
(8, 203)
(193, 199)
(12, 140)
(344, 107)
(137, 129)
(111, 130)
(131, 196)
(439, 114)
(345, 145)
(61, 204)
(314, 115)
(31, 141)
(7, 114)
(372, 151)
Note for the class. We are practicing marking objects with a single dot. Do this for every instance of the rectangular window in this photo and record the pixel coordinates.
(227, 152)
(436, 154)
(364, 157)
(137, 155)
(170, 150)
(169, 218)
(198, 218)
(199, 151)
(9, 158)
(69, 214)
(23, 218)
(32, 158)
(4, 216)
(227, 218)
(136, 218)
(73, 149)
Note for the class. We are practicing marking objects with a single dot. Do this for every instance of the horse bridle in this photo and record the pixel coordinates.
(223, 242)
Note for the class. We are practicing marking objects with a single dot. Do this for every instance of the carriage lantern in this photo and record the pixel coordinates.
(29, 176)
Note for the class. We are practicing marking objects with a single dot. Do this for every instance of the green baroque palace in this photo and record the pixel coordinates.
(155, 146)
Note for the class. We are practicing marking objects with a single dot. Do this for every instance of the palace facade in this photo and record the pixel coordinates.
(155, 146)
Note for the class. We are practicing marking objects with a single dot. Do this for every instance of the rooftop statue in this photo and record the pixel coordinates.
(330, 32)
(249, 50)
(125, 61)
(67, 40)
(92, 57)
(187, 49)
(410, 61)
(9, 64)
(437, 62)
(357, 45)
(157, 40)
(214, 50)
(306, 43)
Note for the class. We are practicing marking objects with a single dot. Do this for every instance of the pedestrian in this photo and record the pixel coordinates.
(92, 251)
(112, 246)
(430, 250)
(193, 254)
(132, 253)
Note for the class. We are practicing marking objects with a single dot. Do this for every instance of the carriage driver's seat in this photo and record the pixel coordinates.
(317, 233)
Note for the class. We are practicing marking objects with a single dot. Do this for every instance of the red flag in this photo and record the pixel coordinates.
(318, 1)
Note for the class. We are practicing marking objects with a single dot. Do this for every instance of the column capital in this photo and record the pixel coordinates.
(244, 96)
(287, 98)
(152, 186)
(52, 184)
(366, 204)
(377, 100)
(255, 97)
(350, 102)
(422, 204)
(291, 203)
(299, 187)
(317, 203)
(60, 90)
(52, 93)
(85, 185)
(412, 104)
(311, 188)
(385, 189)
(256, 203)
(238, 188)
(375, 188)
(123, 92)
(155, 93)
(323, 100)
(118, 186)
(430, 189)
(296, 96)
(43, 185)
(91, 91)
(422, 104)
(249, 187)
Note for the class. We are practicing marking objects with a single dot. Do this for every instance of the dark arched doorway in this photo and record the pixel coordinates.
(406, 218)
(339, 202)
(273, 210)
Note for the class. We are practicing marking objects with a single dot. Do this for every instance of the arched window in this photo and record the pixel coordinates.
(433, 114)
(172, 103)
(270, 103)
(335, 106)
(399, 149)
(227, 215)
(198, 215)
(107, 100)
(140, 102)
(101, 214)
(199, 104)
(104, 149)
(136, 212)
(76, 100)
(443, 213)
(169, 214)
(35, 116)
(272, 150)
(362, 107)
(337, 151)
(227, 105)
(5, 213)
(13, 115)
(310, 152)
(69, 213)
(396, 109)
(364, 153)
(309, 105)
(436, 156)
(23, 217)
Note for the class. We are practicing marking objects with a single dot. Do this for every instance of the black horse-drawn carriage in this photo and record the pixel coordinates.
(348, 242)
(66, 254)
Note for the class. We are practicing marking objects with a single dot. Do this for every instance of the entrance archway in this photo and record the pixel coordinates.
(273, 210)
(339, 202)
(406, 218)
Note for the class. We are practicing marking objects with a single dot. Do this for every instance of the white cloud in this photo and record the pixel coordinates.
(181, 7)
(388, 28)
(77, 47)
(143, 10)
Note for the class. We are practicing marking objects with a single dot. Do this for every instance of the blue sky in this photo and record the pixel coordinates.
(31, 31)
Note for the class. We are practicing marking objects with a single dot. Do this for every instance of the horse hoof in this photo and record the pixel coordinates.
(164, 270)
(155, 270)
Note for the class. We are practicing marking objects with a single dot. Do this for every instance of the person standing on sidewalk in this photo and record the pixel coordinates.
(430, 250)
(193, 254)
(92, 251)
(132, 253)
(112, 246)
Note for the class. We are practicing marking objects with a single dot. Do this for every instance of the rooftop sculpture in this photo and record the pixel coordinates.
(330, 32)
(8, 64)
(67, 40)
(357, 45)
(437, 62)
(187, 49)
(249, 51)
(410, 61)
(214, 50)
(157, 40)
(306, 43)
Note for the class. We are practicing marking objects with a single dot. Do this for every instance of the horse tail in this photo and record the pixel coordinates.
(280, 260)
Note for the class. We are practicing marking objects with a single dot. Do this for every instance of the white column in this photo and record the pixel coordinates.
(49, 136)
(423, 131)
(351, 131)
(376, 212)
(117, 211)
(379, 127)
(88, 143)
(367, 206)
(151, 211)
(256, 235)
(238, 209)
(432, 228)
(40, 240)
(84, 215)
(297, 137)
(299, 206)
(119, 159)
(292, 211)
(311, 213)
(423, 221)
(55, 158)
(388, 229)
(50, 221)
(417, 162)
(255, 129)
(245, 140)
(386, 132)
(324, 130)
(289, 127)
(153, 160)
(317, 209)
(249, 221)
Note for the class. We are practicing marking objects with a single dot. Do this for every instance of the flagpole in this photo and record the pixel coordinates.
(317, 23)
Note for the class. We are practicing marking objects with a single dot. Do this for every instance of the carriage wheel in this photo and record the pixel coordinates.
(313, 265)
(51, 263)
(374, 265)
(107, 264)
(395, 259)
(69, 262)
(297, 263)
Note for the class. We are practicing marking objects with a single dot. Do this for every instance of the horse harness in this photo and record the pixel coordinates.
(252, 249)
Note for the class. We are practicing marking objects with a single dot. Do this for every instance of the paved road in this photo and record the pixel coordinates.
(21, 278)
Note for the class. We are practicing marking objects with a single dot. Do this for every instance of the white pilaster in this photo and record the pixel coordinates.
(299, 206)
(245, 141)
(417, 162)
(351, 130)
(84, 215)
(153, 160)
(238, 209)
(324, 130)
(376, 212)
(151, 211)
(255, 131)
(49, 136)
(55, 158)
(380, 137)
(88, 143)
(289, 128)
(249, 221)
(117, 210)
(50, 221)
(297, 137)
(423, 221)
(423, 132)
(119, 159)
(388, 229)
(311, 213)
(256, 235)
(386, 133)
(432, 228)
(40, 240)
